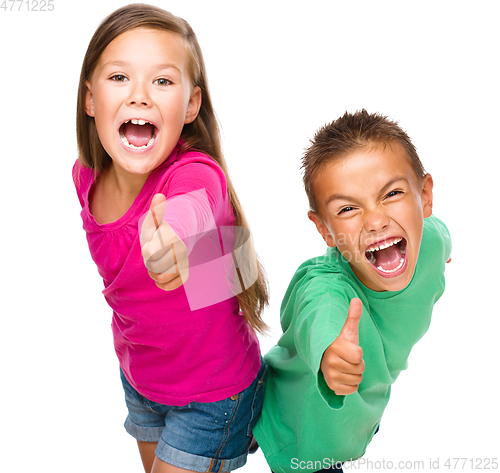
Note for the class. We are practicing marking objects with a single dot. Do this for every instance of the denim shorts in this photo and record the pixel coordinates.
(212, 436)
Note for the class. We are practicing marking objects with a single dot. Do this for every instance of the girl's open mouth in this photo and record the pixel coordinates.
(138, 134)
(388, 257)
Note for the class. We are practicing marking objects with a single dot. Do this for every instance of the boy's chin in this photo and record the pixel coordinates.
(376, 281)
(397, 283)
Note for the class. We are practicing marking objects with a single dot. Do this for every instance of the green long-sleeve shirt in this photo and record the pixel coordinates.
(302, 419)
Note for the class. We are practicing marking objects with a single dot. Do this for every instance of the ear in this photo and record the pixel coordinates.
(427, 185)
(322, 228)
(194, 105)
(89, 99)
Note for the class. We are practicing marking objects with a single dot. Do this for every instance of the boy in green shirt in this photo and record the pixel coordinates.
(351, 317)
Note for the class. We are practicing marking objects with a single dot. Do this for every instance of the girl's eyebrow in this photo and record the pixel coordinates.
(128, 64)
(115, 63)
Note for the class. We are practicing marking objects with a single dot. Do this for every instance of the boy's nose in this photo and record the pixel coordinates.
(376, 222)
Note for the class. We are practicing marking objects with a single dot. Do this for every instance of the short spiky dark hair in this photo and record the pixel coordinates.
(350, 133)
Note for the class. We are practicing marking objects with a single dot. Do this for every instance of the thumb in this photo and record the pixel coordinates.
(350, 331)
(153, 218)
(158, 208)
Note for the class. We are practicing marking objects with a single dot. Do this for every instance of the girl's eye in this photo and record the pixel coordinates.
(118, 78)
(162, 81)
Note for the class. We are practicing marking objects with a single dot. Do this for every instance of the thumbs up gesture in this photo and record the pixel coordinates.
(164, 253)
(342, 363)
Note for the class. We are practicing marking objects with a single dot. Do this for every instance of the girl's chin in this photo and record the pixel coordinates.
(136, 168)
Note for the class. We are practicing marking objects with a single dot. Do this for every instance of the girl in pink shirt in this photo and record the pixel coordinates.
(163, 225)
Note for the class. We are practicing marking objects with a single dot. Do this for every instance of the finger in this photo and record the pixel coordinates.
(171, 256)
(340, 382)
(170, 280)
(345, 390)
(157, 248)
(170, 286)
(348, 368)
(334, 380)
(162, 261)
(350, 331)
(349, 379)
(161, 243)
(164, 278)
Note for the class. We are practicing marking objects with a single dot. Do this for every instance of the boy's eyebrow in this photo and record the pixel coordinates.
(392, 182)
(126, 64)
(339, 197)
(353, 199)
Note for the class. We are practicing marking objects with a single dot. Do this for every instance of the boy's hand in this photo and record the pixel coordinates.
(164, 253)
(342, 363)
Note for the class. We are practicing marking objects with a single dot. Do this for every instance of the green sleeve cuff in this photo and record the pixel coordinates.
(333, 400)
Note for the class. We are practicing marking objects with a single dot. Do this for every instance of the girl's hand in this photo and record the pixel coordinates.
(164, 253)
(342, 363)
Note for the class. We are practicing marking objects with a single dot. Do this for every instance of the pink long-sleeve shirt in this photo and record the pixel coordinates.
(169, 353)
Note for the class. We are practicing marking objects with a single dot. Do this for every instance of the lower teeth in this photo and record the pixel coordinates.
(126, 143)
(401, 261)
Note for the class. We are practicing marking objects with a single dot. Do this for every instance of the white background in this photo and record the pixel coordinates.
(278, 70)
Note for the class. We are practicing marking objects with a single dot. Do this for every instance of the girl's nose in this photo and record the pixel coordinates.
(139, 96)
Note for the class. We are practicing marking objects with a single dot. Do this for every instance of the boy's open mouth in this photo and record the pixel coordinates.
(388, 257)
(137, 134)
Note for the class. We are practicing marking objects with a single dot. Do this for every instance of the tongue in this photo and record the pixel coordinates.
(138, 135)
(389, 258)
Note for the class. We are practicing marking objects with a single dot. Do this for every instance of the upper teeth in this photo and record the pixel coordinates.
(383, 246)
(137, 121)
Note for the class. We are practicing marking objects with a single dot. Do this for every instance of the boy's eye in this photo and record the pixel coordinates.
(346, 209)
(162, 81)
(393, 193)
(118, 78)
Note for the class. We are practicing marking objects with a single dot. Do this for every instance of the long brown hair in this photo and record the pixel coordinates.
(202, 134)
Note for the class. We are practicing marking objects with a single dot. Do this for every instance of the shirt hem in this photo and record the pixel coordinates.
(212, 396)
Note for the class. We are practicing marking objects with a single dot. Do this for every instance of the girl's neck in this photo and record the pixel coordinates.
(126, 184)
(113, 194)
